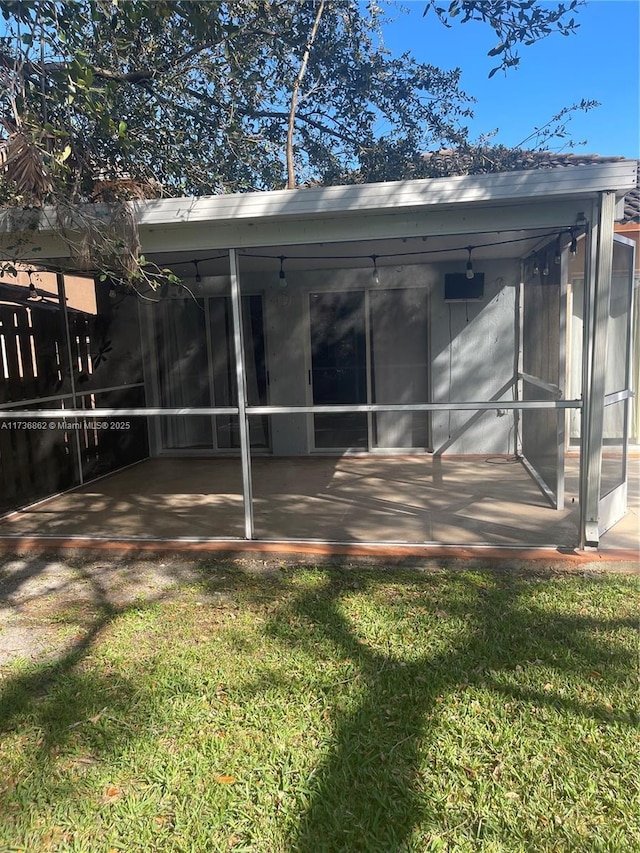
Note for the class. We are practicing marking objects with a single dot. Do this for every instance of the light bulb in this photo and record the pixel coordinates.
(469, 273)
(375, 275)
(33, 293)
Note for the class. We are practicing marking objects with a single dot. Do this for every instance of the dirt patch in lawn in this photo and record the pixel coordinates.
(46, 602)
(49, 603)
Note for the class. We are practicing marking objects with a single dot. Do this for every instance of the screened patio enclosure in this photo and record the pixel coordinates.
(383, 363)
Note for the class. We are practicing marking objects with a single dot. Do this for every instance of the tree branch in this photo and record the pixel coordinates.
(343, 137)
(248, 113)
(31, 69)
(291, 174)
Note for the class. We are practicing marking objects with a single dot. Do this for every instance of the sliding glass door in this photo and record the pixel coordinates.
(223, 369)
(369, 347)
(339, 367)
(196, 368)
(398, 321)
(181, 344)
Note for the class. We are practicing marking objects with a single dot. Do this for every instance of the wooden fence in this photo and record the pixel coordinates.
(38, 459)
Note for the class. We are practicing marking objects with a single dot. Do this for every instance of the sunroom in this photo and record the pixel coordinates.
(378, 366)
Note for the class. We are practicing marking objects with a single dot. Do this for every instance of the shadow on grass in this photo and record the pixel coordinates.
(59, 693)
(71, 720)
(367, 795)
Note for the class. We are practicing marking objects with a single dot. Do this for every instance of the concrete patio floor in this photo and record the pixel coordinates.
(350, 499)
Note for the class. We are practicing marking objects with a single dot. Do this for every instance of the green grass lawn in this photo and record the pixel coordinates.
(332, 709)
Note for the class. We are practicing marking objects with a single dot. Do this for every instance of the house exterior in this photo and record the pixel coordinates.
(454, 162)
(417, 319)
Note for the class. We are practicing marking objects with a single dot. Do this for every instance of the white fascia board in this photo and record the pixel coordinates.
(368, 225)
(499, 188)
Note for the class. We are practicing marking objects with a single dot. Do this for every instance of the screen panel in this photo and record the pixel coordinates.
(541, 359)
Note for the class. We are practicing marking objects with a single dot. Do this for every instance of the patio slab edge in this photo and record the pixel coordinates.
(618, 560)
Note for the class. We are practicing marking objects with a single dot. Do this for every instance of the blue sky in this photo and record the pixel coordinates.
(601, 62)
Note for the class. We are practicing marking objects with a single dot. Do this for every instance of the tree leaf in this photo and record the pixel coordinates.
(64, 155)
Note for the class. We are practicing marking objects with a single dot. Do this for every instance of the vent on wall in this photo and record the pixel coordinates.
(459, 288)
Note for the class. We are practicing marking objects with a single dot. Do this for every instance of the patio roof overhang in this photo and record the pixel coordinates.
(504, 203)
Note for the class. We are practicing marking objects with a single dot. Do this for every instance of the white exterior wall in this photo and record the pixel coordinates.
(475, 361)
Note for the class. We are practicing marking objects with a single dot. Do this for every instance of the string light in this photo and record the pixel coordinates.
(378, 256)
(375, 275)
(536, 268)
(420, 252)
(573, 248)
(33, 293)
(557, 256)
(282, 276)
(545, 268)
(469, 272)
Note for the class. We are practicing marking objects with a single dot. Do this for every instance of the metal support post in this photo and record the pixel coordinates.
(62, 298)
(562, 378)
(241, 374)
(518, 364)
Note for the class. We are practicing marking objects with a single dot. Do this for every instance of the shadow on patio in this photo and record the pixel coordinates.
(343, 499)
(447, 500)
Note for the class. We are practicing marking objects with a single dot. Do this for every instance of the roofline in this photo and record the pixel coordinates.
(502, 189)
(495, 188)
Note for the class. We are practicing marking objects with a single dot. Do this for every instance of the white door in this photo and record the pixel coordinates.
(613, 468)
